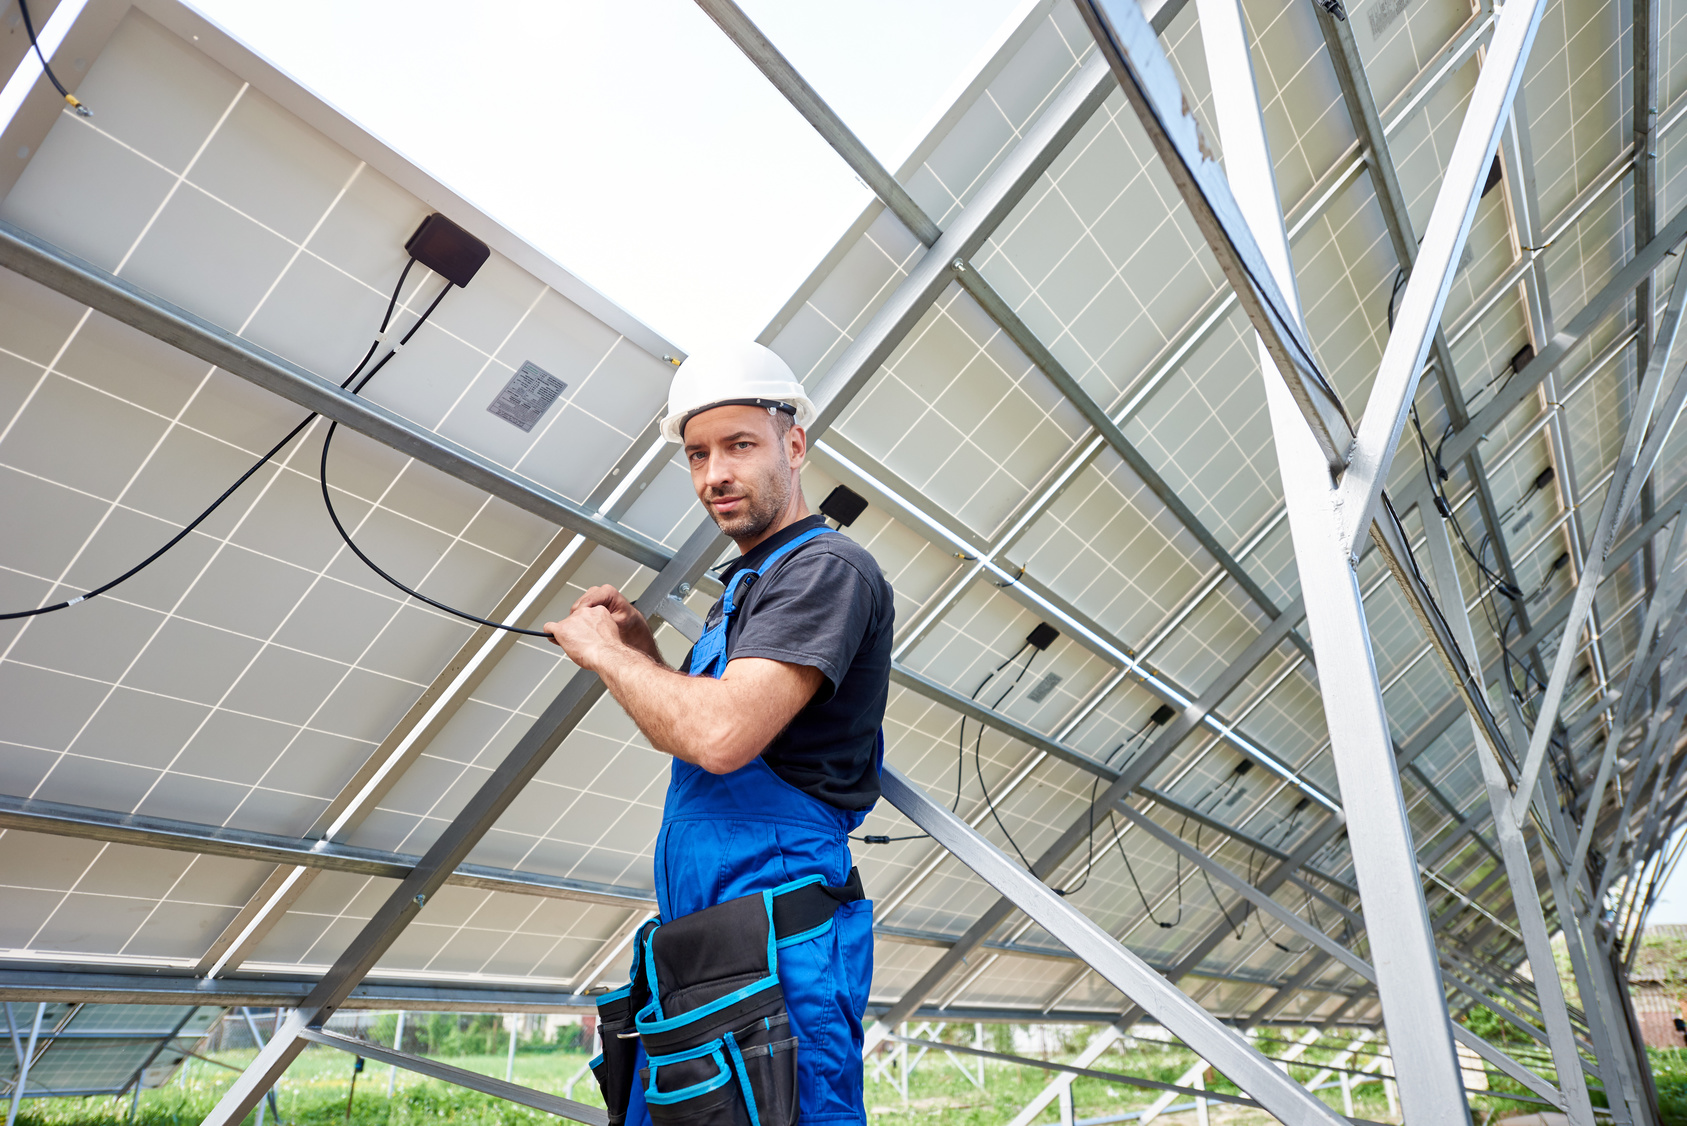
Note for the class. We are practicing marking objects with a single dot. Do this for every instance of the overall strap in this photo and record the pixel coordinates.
(708, 656)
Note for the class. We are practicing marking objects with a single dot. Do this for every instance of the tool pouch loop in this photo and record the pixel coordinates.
(616, 1064)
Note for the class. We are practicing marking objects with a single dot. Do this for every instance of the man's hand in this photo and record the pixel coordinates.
(587, 635)
(717, 724)
(632, 630)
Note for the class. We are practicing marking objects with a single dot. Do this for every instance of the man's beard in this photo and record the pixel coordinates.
(764, 503)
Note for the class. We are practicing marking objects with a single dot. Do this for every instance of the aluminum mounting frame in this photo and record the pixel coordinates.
(653, 559)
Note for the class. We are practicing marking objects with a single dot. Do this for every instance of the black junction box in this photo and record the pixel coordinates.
(1043, 636)
(448, 250)
(843, 505)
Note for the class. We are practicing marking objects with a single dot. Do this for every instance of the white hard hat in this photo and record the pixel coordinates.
(732, 374)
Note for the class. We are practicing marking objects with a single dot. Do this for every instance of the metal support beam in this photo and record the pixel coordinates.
(473, 1080)
(1326, 947)
(1576, 330)
(34, 982)
(1425, 295)
(105, 292)
(1232, 1055)
(57, 819)
(1028, 591)
(1367, 124)
(1021, 334)
(1323, 522)
(1385, 182)
(1131, 776)
(1631, 469)
(1130, 47)
(1073, 1071)
(1519, 868)
(1099, 1044)
(784, 77)
(24, 1061)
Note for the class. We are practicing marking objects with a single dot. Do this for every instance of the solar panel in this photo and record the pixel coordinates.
(259, 679)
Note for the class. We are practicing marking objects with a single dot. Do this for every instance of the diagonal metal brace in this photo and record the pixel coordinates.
(473, 1080)
(1171, 1007)
(1132, 49)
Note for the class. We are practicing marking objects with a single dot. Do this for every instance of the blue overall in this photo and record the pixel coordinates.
(728, 835)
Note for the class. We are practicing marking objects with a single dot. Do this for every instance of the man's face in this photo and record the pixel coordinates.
(742, 467)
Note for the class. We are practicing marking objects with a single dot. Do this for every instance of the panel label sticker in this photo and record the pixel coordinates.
(1044, 686)
(527, 396)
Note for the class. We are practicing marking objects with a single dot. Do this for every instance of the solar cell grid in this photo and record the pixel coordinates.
(247, 680)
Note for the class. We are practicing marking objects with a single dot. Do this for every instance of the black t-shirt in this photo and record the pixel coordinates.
(828, 606)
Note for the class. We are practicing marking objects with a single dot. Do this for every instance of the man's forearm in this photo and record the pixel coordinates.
(718, 725)
(669, 707)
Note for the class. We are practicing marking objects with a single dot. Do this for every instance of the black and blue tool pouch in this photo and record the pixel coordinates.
(706, 1002)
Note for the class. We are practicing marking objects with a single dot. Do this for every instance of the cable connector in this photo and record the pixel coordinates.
(874, 838)
(46, 67)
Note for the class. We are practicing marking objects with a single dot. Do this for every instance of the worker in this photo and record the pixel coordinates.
(773, 721)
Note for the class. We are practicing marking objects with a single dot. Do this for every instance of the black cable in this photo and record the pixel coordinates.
(392, 303)
(1131, 742)
(1436, 478)
(961, 736)
(961, 753)
(328, 500)
(1223, 788)
(1281, 946)
(1089, 860)
(978, 765)
(29, 26)
(1394, 294)
(1457, 653)
(1177, 875)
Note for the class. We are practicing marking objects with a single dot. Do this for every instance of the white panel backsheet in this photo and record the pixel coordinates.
(248, 677)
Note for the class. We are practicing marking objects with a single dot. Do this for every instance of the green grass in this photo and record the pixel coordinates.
(1669, 1075)
(313, 1092)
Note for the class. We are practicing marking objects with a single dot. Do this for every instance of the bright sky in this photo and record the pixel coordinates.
(633, 143)
(1671, 906)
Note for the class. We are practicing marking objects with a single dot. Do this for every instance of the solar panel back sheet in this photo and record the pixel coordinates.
(260, 678)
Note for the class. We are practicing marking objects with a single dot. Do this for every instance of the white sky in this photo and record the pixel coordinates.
(632, 142)
(1671, 906)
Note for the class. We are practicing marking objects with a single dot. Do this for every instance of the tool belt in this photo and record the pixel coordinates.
(704, 997)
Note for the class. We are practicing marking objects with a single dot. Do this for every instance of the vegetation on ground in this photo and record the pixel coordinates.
(942, 1088)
